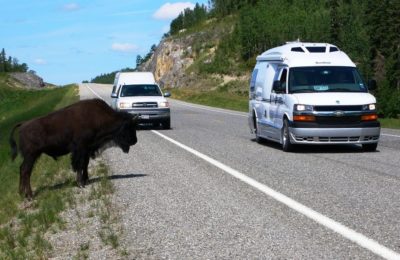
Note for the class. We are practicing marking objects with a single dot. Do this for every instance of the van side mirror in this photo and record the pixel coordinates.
(371, 84)
(114, 95)
(167, 94)
(278, 87)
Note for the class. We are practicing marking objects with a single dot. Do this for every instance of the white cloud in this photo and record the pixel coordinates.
(171, 11)
(124, 47)
(71, 7)
(40, 61)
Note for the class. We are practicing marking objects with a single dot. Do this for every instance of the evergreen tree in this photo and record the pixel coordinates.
(3, 60)
(335, 24)
(139, 61)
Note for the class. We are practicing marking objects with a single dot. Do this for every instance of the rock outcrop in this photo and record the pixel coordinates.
(28, 79)
(170, 61)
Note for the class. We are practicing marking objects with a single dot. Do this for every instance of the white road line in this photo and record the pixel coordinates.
(210, 109)
(327, 222)
(236, 114)
(97, 95)
(391, 135)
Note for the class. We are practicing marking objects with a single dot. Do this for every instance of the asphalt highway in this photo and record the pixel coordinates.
(206, 190)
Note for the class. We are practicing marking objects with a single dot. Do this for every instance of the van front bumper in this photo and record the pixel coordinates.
(334, 135)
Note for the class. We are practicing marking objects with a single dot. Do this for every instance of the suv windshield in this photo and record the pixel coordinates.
(140, 90)
(325, 79)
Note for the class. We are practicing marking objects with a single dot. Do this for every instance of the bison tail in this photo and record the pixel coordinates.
(13, 144)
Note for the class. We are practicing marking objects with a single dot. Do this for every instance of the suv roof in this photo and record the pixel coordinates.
(133, 78)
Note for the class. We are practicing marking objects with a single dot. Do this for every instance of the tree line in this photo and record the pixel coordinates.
(189, 18)
(108, 78)
(11, 64)
(367, 30)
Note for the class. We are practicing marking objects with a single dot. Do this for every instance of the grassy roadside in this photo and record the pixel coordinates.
(223, 99)
(215, 98)
(22, 223)
(27, 228)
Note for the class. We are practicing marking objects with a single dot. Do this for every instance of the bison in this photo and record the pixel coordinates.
(82, 129)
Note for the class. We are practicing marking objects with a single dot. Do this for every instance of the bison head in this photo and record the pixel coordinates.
(127, 134)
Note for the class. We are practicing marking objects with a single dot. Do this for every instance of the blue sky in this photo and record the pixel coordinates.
(71, 41)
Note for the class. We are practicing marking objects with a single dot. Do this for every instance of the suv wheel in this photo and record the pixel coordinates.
(369, 147)
(166, 124)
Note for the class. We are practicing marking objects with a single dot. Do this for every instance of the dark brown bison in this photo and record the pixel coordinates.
(81, 129)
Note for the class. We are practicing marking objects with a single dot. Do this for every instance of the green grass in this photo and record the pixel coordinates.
(390, 123)
(22, 223)
(229, 96)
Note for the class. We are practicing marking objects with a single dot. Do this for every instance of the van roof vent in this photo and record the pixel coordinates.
(297, 49)
(316, 49)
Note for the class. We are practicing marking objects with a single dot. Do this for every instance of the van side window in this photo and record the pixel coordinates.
(283, 77)
(253, 83)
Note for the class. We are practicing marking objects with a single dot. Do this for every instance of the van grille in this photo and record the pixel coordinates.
(335, 108)
(333, 120)
(144, 104)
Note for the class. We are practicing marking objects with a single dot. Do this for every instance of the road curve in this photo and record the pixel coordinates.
(178, 204)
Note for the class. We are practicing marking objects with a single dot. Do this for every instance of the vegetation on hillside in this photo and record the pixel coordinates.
(11, 64)
(189, 18)
(366, 30)
(108, 78)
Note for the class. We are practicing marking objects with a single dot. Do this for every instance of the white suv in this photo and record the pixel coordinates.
(138, 93)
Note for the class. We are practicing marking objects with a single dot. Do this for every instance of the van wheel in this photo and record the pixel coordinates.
(369, 147)
(287, 146)
(256, 131)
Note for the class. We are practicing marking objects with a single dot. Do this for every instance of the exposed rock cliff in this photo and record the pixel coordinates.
(170, 61)
(177, 61)
(28, 79)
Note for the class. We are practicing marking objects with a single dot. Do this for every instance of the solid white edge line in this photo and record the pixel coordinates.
(391, 135)
(335, 226)
(204, 108)
(234, 114)
(97, 95)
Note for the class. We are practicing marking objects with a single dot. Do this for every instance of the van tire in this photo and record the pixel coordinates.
(369, 147)
(287, 146)
(258, 138)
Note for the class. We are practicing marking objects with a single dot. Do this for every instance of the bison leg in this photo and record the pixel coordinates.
(85, 176)
(25, 177)
(80, 161)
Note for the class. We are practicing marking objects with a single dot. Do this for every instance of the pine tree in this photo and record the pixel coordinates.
(335, 23)
(3, 60)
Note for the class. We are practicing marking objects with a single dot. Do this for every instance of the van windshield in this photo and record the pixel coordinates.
(140, 90)
(325, 79)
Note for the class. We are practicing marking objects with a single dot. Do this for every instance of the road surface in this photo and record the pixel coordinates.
(206, 190)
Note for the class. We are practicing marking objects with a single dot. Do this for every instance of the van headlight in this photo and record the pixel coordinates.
(369, 107)
(163, 104)
(124, 105)
(303, 108)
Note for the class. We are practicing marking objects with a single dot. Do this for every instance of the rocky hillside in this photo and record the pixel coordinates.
(179, 61)
(26, 80)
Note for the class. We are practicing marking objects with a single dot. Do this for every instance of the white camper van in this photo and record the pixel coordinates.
(138, 93)
(311, 93)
